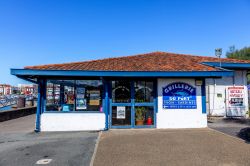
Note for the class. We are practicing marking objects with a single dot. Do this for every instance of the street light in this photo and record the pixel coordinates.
(218, 53)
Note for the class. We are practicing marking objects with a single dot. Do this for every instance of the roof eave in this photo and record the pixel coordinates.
(228, 65)
(72, 73)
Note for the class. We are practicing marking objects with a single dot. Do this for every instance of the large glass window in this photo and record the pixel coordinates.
(74, 95)
(144, 91)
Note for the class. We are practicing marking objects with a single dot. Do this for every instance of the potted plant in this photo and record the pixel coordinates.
(140, 115)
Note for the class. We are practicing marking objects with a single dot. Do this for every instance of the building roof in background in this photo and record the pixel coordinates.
(155, 61)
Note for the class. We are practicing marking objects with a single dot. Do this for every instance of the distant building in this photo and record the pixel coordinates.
(5, 89)
(27, 89)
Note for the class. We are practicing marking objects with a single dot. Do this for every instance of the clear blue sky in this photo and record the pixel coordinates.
(54, 31)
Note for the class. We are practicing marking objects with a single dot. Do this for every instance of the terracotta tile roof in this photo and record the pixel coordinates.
(155, 61)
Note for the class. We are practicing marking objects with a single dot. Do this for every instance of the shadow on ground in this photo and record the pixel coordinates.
(245, 134)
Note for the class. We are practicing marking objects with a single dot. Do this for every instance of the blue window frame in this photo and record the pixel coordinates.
(142, 100)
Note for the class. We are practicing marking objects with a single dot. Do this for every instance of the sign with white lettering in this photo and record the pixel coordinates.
(179, 95)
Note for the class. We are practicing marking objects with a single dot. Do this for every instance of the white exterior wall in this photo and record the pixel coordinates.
(180, 118)
(216, 106)
(72, 121)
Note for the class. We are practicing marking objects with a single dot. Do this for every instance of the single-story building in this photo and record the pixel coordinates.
(153, 90)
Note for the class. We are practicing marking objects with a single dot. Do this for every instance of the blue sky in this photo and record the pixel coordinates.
(55, 31)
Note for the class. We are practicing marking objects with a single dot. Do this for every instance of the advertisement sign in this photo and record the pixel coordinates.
(81, 102)
(235, 96)
(120, 113)
(179, 95)
(235, 101)
(94, 96)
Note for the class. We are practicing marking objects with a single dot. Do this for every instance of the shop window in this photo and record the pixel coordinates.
(144, 91)
(74, 95)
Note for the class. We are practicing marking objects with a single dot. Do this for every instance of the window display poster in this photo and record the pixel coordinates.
(179, 95)
(120, 113)
(81, 102)
(236, 96)
(94, 97)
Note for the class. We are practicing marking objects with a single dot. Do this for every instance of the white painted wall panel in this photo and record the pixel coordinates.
(180, 118)
(72, 121)
(216, 106)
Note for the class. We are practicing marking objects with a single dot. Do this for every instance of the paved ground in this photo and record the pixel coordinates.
(171, 147)
(20, 146)
(233, 127)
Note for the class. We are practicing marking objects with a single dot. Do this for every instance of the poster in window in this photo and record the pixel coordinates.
(121, 113)
(94, 97)
(81, 102)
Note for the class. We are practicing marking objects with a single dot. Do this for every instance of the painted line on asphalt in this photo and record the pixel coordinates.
(227, 134)
(95, 150)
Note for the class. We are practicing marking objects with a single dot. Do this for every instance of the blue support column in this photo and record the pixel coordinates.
(203, 96)
(106, 103)
(132, 104)
(38, 111)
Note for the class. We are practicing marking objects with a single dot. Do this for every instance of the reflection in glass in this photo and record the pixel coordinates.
(144, 91)
(121, 91)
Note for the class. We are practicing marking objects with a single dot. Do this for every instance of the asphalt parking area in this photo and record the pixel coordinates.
(171, 147)
(20, 146)
(235, 127)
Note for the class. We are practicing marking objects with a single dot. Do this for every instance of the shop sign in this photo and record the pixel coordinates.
(179, 95)
(121, 113)
(235, 101)
(235, 96)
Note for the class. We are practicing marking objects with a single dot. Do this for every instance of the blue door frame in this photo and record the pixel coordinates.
(132, 105)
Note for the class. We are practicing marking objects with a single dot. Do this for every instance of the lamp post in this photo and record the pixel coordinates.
(218, 53)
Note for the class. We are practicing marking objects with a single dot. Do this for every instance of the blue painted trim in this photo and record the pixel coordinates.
(121, 127)
(155, 102)
(228, 65)
(132, 109)
(28, 72)
(38, 111)
(145, 104)
(44, 95)
(120, 104)
(144, 126)
(74, 112)
(203, 95)
(106, 103)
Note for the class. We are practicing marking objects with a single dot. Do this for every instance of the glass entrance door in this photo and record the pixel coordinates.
(121, 104)
(132, 104)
